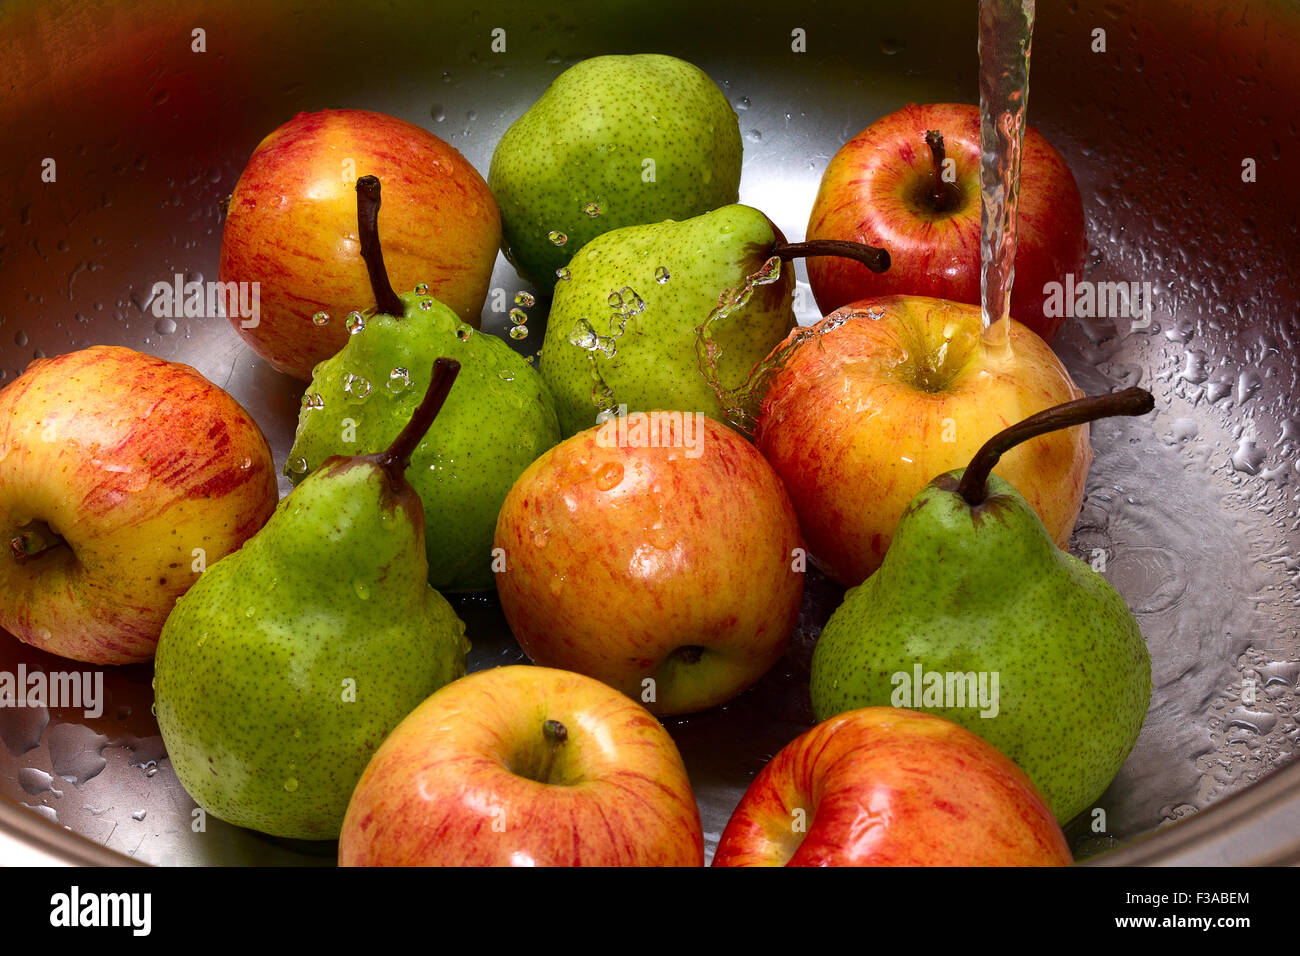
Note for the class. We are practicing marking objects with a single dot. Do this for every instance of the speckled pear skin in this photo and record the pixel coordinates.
(588, 139)
(655, 365)
(251, 676)
(497, 420)
(987, 589)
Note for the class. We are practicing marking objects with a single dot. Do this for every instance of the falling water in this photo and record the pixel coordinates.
(1005, 36)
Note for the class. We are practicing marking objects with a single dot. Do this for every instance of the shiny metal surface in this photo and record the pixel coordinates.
(1197, 520)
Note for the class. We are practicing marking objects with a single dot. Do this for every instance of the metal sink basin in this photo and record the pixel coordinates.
(1197, 516)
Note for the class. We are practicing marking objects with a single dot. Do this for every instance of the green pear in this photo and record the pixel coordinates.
(498, 421)
(283, 668)
(623, 324)
(614, 141)
(1046, 661)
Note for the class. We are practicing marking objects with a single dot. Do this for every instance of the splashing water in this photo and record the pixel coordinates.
(741, 403)
(624, 304)
(1006, 30)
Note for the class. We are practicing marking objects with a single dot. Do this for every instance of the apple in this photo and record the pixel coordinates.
(885, 786)
(291, 225)
(883, 395)
(656, 552)
(881, 188)
(524, 766)
(122, 476)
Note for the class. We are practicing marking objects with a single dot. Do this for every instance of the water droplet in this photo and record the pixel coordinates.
(165, 326)
(246, 464)
(506, 375)
(296, 466)
(139, 815)
(633, 304)
(437, 112)
(609, 476)
(250, 612)
(463, 332)
(518, 316)
(290, 785)
(661, 275)
(356, 386)
(362, 589)
(615, 300)
(399, 379)
(557, 238)
(592, 209)
(426, 304)
(20, 338)
(519, 332)
(539, 539)
(422, 288)
(313, 401)
(583, 335)
(321, 318)
(355, 322)
(525, 299)
(563, 274)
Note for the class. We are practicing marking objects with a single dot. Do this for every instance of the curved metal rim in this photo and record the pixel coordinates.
(1257, 826)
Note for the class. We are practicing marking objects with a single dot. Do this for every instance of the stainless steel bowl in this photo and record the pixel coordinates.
(1198, 517)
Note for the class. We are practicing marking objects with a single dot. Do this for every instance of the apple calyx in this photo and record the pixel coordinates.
(368, 202)
(32, 540)
(397, 458)
(873, 257)
(973, 486)
(943, 194)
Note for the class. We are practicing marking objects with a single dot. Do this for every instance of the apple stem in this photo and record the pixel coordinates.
(368, 202)
(555, 734)
(974, 480)
(874, 258)
(398, 456)
(941, 194)
(33, 540)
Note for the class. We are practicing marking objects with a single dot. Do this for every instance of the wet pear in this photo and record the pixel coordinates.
(614, 141)
(977, 616)
(622, 326)
(286, 665)
(500, 418)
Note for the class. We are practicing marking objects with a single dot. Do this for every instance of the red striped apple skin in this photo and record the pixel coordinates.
(873, 192)
(455, 783)
(291, 225)
(136, 463)
(884, 786)
(620, 557)
(892, 391)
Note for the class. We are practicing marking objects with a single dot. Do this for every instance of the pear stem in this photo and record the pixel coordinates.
(875, 259)
(398, 456)
(941, 191)
(32, 540)
(555, 734)
(974, 480)
(368, 202)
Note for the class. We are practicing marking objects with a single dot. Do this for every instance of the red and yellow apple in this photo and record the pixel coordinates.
(524, 766)
(884, 786)
(880, 188)
(886, 393)
(656, 552)
(121, 477)
(291, 226)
